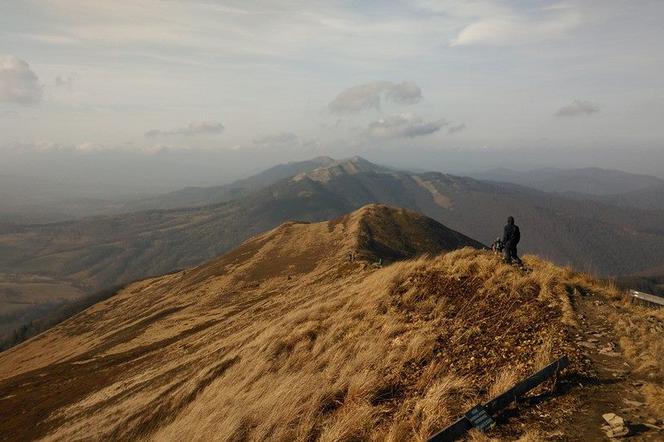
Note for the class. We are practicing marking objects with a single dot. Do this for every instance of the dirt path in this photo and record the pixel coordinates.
(614, 386)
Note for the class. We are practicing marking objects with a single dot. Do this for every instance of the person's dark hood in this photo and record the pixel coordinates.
(510, 220)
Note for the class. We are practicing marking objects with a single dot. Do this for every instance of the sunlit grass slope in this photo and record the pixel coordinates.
(299, 335)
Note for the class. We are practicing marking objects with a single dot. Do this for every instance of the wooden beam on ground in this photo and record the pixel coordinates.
(646, 298)
(461, 425)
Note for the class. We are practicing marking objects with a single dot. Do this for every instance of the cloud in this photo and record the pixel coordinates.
(64, 82)
(92, 147)
(509, 26)
(578, 107)
(53, 39)
(18, 84)
(42, 146)
(283, 141)
(201, 128)
(404, 93)
(279, 138)
(457, 128)
(370, 95)
(403, 126)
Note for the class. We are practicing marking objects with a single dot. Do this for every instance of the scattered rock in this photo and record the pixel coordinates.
(618, 432)
(616, 426)
(613, 420)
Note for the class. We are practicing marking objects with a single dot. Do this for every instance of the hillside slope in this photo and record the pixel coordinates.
(299, 335)
(96, 253)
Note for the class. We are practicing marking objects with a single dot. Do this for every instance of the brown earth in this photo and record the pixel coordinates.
(361, 328)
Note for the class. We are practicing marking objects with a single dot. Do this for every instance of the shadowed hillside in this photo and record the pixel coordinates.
(298, 335)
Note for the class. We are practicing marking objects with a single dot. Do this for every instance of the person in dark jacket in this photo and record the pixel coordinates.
(511, 237)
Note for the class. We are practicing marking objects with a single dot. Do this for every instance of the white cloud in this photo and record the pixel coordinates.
(369, 96)
(509, 27)
(283, 141)
(403, 126)
(89, 146)
(18, 84)
(404, 93)
(279, 138)
(92, 147)
(578, 107)
(51, 39)
(199, 128)
(64, 82)
(456, 128)
(50, 146)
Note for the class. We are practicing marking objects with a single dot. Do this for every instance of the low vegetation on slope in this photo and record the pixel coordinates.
(299, 334)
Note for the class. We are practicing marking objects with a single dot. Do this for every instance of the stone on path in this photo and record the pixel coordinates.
(616, 425)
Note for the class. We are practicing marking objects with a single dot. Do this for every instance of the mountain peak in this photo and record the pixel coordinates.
(323, 160)
(390, 234)
(347, 166)
(373, 233)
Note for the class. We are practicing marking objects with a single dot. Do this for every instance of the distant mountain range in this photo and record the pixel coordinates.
(37, 201)
(203, 196)
(95, 253)
(613, 187)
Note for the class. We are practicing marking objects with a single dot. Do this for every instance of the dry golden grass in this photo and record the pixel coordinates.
(545, 352)
(314, 348)
(505, 380)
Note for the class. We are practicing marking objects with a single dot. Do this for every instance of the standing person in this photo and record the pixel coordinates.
(511, 237)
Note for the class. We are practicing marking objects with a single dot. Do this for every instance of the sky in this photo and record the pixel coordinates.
(203, 91)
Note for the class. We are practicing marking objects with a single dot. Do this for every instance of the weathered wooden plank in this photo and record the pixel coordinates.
(647, 298)
(503, 400)
(452, 432)
(461, 425)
